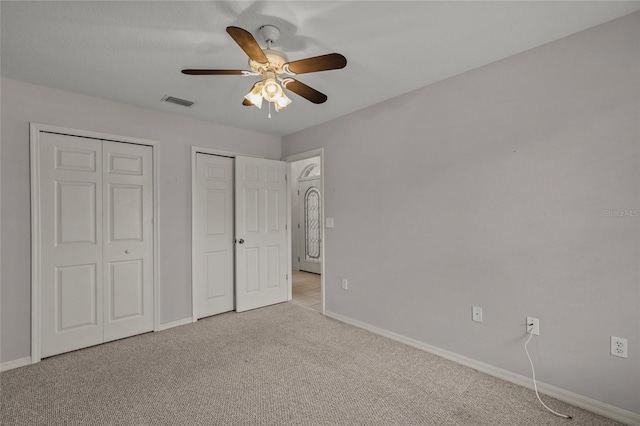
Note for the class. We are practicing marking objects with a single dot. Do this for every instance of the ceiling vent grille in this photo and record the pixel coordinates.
(178, 101)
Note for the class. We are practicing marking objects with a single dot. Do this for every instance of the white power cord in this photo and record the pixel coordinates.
(535, 387)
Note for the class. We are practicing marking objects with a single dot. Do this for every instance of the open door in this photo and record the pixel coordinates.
(261, 233)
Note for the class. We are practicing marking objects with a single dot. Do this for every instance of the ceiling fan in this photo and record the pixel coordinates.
(274, 69)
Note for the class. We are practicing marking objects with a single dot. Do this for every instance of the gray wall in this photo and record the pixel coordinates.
(23, 103)
(492, 189)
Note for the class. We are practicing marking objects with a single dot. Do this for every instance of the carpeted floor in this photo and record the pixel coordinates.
(280, 365)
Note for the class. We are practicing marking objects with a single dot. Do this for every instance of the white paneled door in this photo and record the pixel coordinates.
(261, 233)
(128, 239)
(213, 236)
(96, 241)
(71, 243)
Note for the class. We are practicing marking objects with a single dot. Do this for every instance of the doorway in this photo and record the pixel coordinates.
(307, 248)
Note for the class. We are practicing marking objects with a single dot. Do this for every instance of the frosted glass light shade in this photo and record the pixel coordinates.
(255, 95)
(271, 90)
(282, 101)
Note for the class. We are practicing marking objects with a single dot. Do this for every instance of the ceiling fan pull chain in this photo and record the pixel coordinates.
(269, 109)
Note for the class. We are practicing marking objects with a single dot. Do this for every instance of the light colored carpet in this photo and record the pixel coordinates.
(280, 365)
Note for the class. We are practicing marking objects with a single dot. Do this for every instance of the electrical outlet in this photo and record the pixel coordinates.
(345, 284)
(476, 314)
(618, 346)
(533, 326)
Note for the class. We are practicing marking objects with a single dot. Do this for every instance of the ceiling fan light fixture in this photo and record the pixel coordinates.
(271, 64)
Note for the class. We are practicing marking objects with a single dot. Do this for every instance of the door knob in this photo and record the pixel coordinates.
(126, 252)
(240, 241)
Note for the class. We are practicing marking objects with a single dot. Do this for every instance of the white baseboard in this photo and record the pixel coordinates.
(589, 404)
(10, 365)
(176, 323)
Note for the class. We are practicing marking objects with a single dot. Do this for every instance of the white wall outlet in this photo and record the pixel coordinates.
(345, 284)
(533, 326)
(476, 314)
(329, 222)
(619, 346)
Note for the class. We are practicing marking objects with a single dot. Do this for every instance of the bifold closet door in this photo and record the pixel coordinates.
(96, 241)
(71, 295)
(128, 239)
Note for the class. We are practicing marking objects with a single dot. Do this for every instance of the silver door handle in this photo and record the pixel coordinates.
(126, 252)
(240, 241)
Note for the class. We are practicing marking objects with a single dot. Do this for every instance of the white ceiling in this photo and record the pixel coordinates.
(133, 52)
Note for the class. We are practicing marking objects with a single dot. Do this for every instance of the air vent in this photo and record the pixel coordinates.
(178, 101)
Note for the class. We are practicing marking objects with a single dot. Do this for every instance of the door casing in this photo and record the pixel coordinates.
(35, 130)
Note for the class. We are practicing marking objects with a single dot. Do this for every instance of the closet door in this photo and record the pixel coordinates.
(128, 239)
(70, 243)
(213, 237)
(95, 241)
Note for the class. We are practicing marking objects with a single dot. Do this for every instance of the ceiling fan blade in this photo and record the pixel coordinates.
(247, 102)
(214, 72)
(305, 91)
(331, 61)
(247, 43)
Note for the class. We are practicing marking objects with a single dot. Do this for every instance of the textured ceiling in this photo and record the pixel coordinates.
(133, 52)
